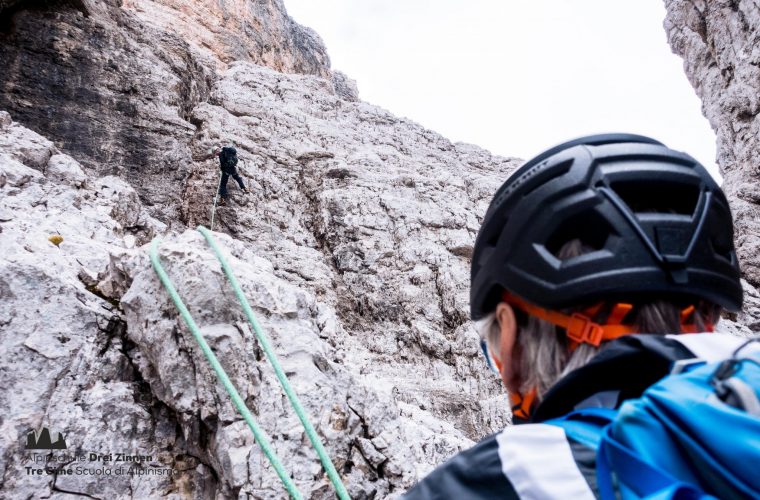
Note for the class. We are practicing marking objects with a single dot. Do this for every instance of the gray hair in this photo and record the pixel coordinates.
(541, 362)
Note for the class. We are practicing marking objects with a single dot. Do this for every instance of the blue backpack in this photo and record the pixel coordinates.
(695, 434)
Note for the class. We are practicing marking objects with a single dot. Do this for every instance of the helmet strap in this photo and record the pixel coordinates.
(581, 329)
(521, 405)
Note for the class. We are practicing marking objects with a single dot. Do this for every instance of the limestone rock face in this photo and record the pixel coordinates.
(353, 248)
(239, 30)
(113, 83)
(375, 215)
(719, 42)
(357, 413)
(65, 360)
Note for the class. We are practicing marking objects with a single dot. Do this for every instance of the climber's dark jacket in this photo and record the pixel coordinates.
(228, 160)
(537, 460)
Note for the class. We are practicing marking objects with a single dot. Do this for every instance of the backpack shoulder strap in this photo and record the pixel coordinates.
(650, 482)
(590, 427)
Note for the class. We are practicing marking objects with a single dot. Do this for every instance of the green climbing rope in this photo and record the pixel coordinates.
(272, 357)
(311, 433)
(226, 382)
(216, 198)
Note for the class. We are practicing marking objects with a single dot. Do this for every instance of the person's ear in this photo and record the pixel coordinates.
(505, 316)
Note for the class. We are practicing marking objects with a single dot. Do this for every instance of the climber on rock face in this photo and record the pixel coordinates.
(227, 162)
(591, 260)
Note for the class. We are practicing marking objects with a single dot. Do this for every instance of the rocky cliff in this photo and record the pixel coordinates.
(719, 42)
(352, 247)
(114, 83)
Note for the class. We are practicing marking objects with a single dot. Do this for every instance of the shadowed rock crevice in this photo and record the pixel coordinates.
(10, 8)
(73, 78)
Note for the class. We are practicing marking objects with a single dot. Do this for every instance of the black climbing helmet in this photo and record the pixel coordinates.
(657, 221)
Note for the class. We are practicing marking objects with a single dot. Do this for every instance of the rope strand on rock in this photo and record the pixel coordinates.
(216, 197)
(237, 400)
(222, 375)
(311, 433)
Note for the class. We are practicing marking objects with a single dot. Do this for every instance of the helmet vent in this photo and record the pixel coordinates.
(582, 233)
(657, 196)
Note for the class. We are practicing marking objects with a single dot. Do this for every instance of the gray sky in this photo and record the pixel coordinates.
(516, 77)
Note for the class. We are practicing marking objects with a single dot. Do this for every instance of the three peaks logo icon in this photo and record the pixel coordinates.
(41, 440)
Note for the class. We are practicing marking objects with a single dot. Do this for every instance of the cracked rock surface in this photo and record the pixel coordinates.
(353, 249)
(719, 42)
(66, 359)
(374, 214)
